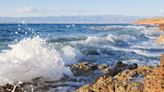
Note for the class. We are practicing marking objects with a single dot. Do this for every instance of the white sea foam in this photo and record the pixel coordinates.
(102, 39)
(30, 58)
(70, 55)
(106, 28)
(110, 38)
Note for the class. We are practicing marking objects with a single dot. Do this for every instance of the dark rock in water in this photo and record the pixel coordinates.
(83, 68)
(119, 66)
(86, 68)
(12, 88)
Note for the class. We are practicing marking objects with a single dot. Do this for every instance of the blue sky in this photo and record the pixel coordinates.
(22, 8)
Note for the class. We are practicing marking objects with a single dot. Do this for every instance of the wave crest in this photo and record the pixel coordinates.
(30, 58)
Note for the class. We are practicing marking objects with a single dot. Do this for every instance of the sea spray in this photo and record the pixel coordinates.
(30, 58)
(71, 55)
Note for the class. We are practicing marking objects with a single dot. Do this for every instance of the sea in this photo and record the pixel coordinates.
(29, 51)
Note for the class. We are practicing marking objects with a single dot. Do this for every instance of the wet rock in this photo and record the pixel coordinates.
(119, 67)
(12, 88)
(86, 68)
(83, 68)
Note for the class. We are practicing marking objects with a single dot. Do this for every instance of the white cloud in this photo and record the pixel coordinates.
(49, 12)
(160, 12)
(28, 10)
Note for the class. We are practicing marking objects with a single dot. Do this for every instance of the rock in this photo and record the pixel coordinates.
(161, 68)
(12, 88)
(161, 27)
(86, 68)
(162, 61)
(127, 80)
(119, 67)
(150, 21)
(154, 82)
(160, 39)
(102, 66)
(108, 84)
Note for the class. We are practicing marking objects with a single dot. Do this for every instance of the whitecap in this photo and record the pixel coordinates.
(30, 58)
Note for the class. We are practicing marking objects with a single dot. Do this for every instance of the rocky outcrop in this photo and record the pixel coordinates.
(125, 81)
(154, 82)
(85, 68)
(119, 67)
(160, 39)
(154, 21)
(150, 21)
(161, 27)
(129, 78)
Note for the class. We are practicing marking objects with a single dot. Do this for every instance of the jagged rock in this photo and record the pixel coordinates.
(83, 68)
(127, 80)
(150, 21)
(86, 68)
(108, 84)
(119, 67)
(12, 88)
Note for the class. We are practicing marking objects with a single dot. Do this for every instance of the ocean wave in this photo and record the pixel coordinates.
(110, 39)
(31, 58)
(117, 27)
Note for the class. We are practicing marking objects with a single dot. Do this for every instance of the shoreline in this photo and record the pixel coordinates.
(97, 77)
(151, 81)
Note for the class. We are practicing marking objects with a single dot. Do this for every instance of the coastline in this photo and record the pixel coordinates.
(136, 80)
(97, 77)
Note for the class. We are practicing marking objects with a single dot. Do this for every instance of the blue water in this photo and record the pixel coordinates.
(126, 39)
(94, 43)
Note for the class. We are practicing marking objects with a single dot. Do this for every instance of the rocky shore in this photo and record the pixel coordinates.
(150, 21)
(129, 78)
(134, 79)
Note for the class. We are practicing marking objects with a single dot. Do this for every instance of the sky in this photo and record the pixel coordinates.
(41, 8)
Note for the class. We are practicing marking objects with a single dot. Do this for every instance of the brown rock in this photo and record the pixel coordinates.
(160, 40)
(154, 82)
(161, 27)
(125, 81)
(86, 68)
(150, 21)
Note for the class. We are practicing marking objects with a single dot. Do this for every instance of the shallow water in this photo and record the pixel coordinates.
(45, 50)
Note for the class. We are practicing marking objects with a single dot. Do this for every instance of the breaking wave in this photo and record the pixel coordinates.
(31, 58)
